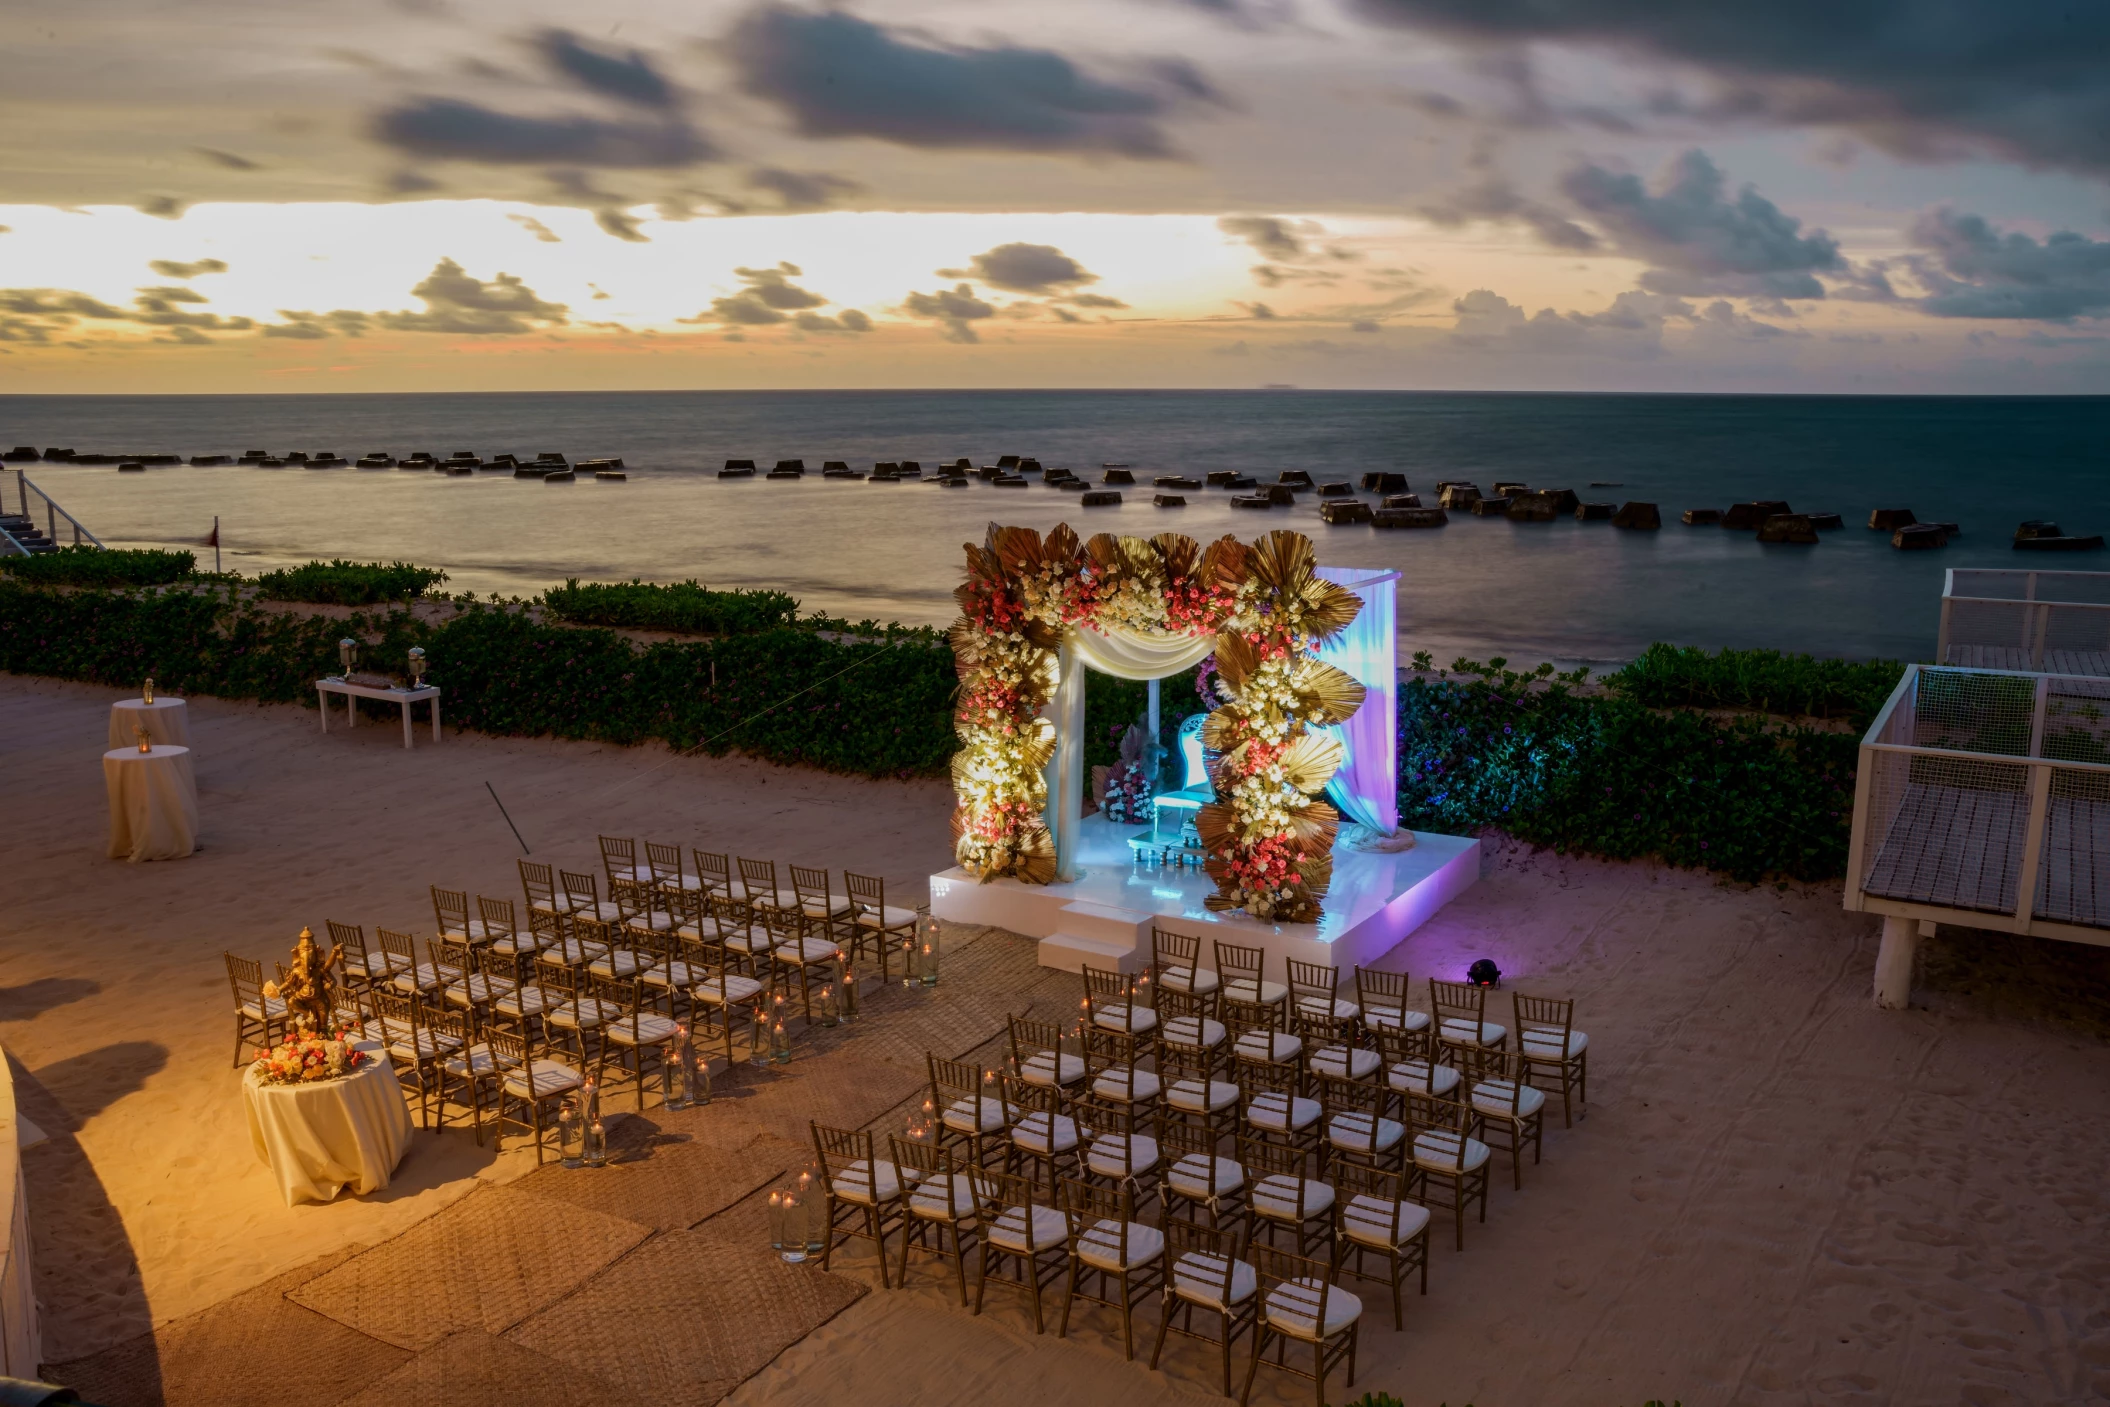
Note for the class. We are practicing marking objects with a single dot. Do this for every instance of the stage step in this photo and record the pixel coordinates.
(1101, 935)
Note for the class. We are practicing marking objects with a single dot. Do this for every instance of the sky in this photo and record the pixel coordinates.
(1689, 195)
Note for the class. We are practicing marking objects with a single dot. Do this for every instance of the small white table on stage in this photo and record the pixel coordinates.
(353, 692)
(166, 721)
(322, 1138)
(153, 803)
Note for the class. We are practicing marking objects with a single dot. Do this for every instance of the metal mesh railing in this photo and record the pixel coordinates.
(1946, 831)
(2049, 622)
(2073, 883)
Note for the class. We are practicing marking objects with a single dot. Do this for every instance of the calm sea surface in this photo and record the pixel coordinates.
(1565, 590)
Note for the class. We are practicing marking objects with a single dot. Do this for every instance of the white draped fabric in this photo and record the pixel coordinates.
(1366, 789)
(322, 1138)
(1125, 654)
(153, 803)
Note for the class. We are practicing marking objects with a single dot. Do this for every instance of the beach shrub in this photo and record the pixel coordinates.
(1757, 681)
(794, 696)
(80, 564)
(683, 605)
(1525, 753)
(342, 583)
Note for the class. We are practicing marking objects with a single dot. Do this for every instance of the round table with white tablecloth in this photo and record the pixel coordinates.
(166, 721)
(322, 1138)
(153, 803)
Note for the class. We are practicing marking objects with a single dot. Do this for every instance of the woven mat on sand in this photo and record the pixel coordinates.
(487, 1262)
(474, 1369)
(669, 1169)
(254, 1350)
(690, 1315)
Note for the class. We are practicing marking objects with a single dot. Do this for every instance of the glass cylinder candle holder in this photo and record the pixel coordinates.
(846, 987)
(571, 1133)
(908, 960)
(700, 1082)
(417, 666)
(816, 1207)
(792, 1239)
(146, 695)
(779, 1044)
(826, 1008)
(674, 1072)
(347, 655)
(757, 1036)
(596, 1145)
(776, 1222)
(927, 944)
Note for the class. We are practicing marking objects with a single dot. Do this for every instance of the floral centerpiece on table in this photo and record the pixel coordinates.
(304, 1058)
(1268, 836)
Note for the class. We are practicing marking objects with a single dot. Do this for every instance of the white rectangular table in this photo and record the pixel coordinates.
(352, 692)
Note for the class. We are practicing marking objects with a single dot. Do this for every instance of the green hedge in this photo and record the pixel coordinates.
(1758, 681)
(1605, 775)
(79, 564)
(685, 605)
(342, 583)
(792, 696)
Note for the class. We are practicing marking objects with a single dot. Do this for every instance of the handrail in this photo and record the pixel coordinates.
(52, 511)
(10, 540)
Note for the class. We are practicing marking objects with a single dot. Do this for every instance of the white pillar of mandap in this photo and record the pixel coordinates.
(1901, 940)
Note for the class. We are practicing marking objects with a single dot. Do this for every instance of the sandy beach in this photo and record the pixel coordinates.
(1780, 1194)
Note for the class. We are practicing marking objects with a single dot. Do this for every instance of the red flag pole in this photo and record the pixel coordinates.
(216, 544)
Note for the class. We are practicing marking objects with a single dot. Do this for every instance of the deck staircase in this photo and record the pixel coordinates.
(23, 536)
(19, 533)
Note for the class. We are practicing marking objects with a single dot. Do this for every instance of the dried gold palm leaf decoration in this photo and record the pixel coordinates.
(1267, 835)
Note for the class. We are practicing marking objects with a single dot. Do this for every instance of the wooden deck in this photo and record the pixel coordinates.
(2095, 663)
(1961, 848)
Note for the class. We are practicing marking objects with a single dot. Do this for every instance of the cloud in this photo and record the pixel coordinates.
(1243, 14)
(1365, 325)
(162, 207)
(227, 159)
(1495, 199)
(1271, 236)
(1259, 312)
(768, 298)
(1093, 300)
(849, 320)
(1024, 268)
(31, 314)
(312, 326)
(2029, 80)
(1632, 326)
(841, 76)
(1700, 240)
(405, 181)
(172, 268)
(448, 129)
(459, 303)
(626, 77)
(621, 224)
(1972, 270)
(801, 190)
(956, 308)
(536, 228)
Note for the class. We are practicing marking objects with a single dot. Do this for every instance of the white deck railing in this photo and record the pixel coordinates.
(2002, 618)
(1983, 798)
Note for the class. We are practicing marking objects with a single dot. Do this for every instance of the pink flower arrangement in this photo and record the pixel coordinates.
(305, 1059)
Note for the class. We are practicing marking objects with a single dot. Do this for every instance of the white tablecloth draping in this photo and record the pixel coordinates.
(319, 1139)
(166, 721)
(153, 803)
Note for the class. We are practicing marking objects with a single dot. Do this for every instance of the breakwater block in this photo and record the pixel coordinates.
(1336, 488)
(1295, 478)
(1176, 481)
(1379, 481)
(1643, 516)
(1344, 511)
(1919, 537)
(1701, 517)
(1117, 476)
(1462, 496)
(1169, 500)
(1749, 517)
(1825, 522)
(1890, 519)
(1533, 508)
(1788, 527)
(1487, 507)
(1101, 498)
(1251, 500)
(1409, 518)
(1401, 500)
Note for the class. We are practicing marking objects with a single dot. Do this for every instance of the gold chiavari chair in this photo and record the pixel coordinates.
(1204, 1274)
(634, 1040)
(1372, 1217)
(1461, 1016)
(1275, 1106)
(1175, 965)
(1115, 1062)
(1114, 1004)
(411, 977)
(1194, 1095)
(797, 954)
(1112, 1151)
(664, 863)
(1383, 998)
(714, 872)
(1298, 1305)
(941, 1214)
(546, 907)
(619, 861)
(826, 912)
(1115, 1260)
(253, 1011)
(502, 931)
(1411, 1064)
(878, 928)
(1279, 1197)
(1043, 1136)
(1242, 971)
(1258, 1033)
(1196, 1180)
(450, 912)
(1445, 1159)
(1042, 1053)
(1022, 1228)
(1549, 1042)
(972, 1113)
(863, 1193)
(721, 998)
(1331, 1047)
(1508, 1112)
(361, 968)
(530, 1084)
(1356, 1129)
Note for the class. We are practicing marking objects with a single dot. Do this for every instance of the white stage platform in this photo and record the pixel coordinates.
(1104, 916)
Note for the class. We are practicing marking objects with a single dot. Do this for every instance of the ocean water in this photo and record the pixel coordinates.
(1564, 591)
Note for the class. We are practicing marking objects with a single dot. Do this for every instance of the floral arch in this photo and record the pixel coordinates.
(1037, 610)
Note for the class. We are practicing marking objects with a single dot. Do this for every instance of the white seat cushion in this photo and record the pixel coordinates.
(1199, 1279)
(804, 950)
(1122, 1155)
(1345, 1062)
(520, 1003)
(1041, 1068)
(887, 918)
(478, 1060)
(1376, 1222)
(582, 907)
(1437, 1150)
(1202, 1096)
(1356, 1132)
(1282, 1113)
(1199, 981)
(1275, 1047)
(1276, 1197)
(1011, 1233)
(428, 1045)
(867, 1183)
(750, 942)
(981, 1114)
(576, 1013)
(1116, 1017)
(1335, 1009)
(1202, 1178)
(620, 962)
(271, 1009)
(572, 951)
(540, 1079)
(1423, 1077)
(928, 1199)
(1504, 1099)
(650, 1029)
(1099, 1245)
(1311, 1310)
(1460, 1031)
(422, 978)
(670, 972)
(1386, 1018)
(477, 989)
(833, 906)
(1244, 989)
(1045, 1133)
(515, 944)
(1125, 1086)
(1546, 1045)
(724, 990)
(1194, 1032)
